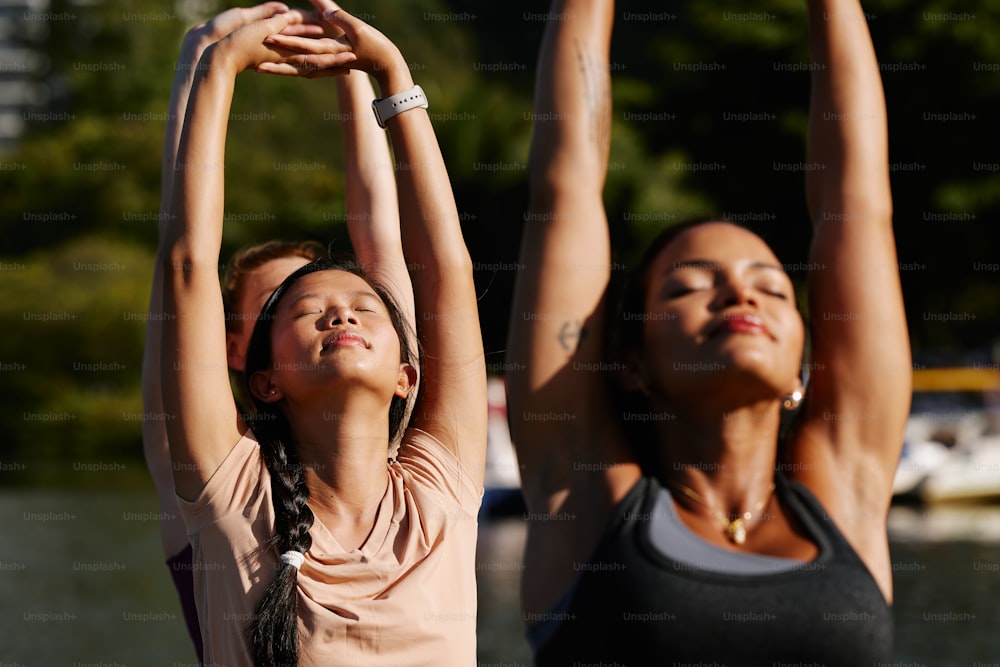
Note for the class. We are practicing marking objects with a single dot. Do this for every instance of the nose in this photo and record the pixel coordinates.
(338, 315)
(733, 292)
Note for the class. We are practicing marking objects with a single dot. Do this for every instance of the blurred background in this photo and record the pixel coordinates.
(710, 118)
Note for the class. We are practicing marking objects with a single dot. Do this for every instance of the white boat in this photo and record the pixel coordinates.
(920, 459)
(970, 474)
(950, 457)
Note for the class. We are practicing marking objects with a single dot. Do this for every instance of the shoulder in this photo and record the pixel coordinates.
(424, 461)
(239, 478)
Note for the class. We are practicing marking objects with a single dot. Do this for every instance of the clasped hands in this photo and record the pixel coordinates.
(275, 39)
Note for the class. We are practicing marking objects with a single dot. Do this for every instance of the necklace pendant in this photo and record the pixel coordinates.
(736, 532)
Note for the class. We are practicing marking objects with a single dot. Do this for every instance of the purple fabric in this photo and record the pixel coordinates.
(182, 571)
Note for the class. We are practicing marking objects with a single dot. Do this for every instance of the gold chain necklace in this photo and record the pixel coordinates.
(735, 529)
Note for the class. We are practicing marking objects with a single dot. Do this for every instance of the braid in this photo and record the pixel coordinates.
(274, 628)
(273, 631)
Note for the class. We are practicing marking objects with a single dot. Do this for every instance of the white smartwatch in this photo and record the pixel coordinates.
(396, 104)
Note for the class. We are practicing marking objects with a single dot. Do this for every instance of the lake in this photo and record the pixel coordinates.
(82, 584)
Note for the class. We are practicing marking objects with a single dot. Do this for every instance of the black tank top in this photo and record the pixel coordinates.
(633, 605)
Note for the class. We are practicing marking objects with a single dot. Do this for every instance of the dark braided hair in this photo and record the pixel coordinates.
(273, 630)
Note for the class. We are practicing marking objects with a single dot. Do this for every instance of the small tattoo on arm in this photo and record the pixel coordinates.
(597, 85)
(572, 334)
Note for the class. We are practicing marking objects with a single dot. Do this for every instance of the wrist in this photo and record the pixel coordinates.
(195, 42)
(390, 107)
(394, 78)
(218, 59)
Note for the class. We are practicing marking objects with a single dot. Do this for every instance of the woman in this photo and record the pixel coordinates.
(311, 549)
(252, 273)
(700, 539)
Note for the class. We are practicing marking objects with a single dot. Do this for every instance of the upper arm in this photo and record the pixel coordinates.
(194, 373)
(451, 405)
(556, 328)
(195, 376)
(860, 371)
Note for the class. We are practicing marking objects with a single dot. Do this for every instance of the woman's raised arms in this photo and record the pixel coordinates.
(858, 395)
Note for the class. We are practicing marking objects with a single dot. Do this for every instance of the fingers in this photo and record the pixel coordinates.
(306, 72)
(237, 17)
(304, 30)
(308, 45)
(342, 20)
(263, 11)
(324, 6)
(310, 65)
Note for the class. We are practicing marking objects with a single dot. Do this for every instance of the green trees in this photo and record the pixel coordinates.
(710, 113)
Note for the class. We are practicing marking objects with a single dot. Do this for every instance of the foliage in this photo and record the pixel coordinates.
(82, 187)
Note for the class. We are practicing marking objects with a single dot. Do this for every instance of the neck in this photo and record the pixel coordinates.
(343, 445)
(725, 456)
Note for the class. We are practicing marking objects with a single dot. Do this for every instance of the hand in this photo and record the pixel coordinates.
(252, 47)
(231, 20)
(373, 52)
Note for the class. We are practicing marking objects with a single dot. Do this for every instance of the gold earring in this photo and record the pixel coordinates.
(792, 400)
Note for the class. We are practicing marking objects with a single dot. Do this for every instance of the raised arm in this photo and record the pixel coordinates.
(859, 387)
(194, 370)
(556, 330)
(154, 432)
(452, 402)
(372, 206)
(371, 202)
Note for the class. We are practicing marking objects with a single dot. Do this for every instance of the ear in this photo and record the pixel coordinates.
(634, 376)
(235, 353)
(263, 389)
(406, 380)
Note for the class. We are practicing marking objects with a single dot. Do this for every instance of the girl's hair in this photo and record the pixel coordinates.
(241, 264)
(273, 631)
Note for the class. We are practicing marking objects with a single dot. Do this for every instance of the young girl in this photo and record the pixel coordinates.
(252, 273)
(697, 540)
(310, 548)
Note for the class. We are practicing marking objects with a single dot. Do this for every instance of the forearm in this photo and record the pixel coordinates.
(572, 97)
(371, 200)
(848, 134)
(184, 70)
(153, 430)
(195, 235)
(372, 210)
(431, 231)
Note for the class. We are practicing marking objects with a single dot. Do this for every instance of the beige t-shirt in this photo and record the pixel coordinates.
(407, 596)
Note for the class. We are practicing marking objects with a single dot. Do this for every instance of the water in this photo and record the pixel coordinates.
(82, 583)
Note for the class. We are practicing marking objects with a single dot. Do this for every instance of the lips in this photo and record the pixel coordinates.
(742, 323)
(344, 338)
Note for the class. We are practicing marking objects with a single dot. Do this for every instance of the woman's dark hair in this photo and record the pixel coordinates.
(624, 337)
(273, 631)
